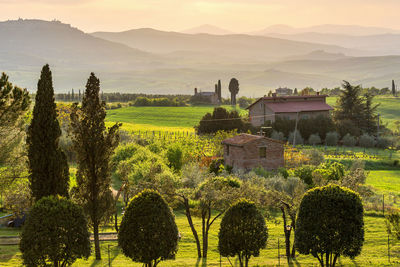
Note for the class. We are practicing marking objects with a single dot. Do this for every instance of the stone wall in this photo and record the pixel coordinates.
(248, 156)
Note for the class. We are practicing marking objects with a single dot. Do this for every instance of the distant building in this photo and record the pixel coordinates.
(246, 151)
(205, 97)
(283, 91)
(269, 108)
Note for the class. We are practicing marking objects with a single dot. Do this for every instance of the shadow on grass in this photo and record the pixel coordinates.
(7, 252)
(201, 262)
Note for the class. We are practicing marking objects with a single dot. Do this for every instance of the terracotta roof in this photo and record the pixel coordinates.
(298, 106)
(280, 99)
(241, 139)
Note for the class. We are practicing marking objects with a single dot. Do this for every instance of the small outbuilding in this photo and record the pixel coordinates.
(246, 151)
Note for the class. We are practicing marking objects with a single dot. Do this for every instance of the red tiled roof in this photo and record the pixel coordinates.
(241, 139)
(298, 106)
(279, 99)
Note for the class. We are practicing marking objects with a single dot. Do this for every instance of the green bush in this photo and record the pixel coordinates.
(366, 140)
(314, 139)
(299, 138)
(278, 136)
(243, 232)
(148, 232)
(284, 172)
(349, 140)
(174, 156)
(332, 139)
(316, 156)
(55, 231)
(383, 142)
(305, 174)
(330, 224)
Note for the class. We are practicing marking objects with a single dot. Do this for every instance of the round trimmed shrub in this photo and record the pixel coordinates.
(349, 140)
(330, 224)
(243, 232)
(383, 142)
(314, 139)
(278, 136)
(299, 138)
(148, 232)
(55, 231)
(332, 138)
(366, 141)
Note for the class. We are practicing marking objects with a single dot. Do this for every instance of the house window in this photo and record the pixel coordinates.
(263, 152)
(227, 150)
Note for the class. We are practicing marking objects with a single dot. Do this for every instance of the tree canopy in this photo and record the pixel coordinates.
(243, 232)
(94, 145)
(49, 172)
(330, 224)
(234, 89)
(55, 231)
(148, 232)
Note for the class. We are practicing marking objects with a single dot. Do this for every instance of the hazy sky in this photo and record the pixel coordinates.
(235, 15)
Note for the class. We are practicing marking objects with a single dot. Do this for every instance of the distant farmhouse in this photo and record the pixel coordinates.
(246, 151)
(283, 91)
(269, 108)
(207, 97)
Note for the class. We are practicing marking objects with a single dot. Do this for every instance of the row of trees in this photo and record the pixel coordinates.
(93, 145)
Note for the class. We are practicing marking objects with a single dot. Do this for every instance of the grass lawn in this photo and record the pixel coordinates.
(385, 181)
(374, 251)
(388, 108)
(160, 118)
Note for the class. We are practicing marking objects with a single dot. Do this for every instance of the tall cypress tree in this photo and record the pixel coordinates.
(94, 146)
(49, 174)
(393, 88)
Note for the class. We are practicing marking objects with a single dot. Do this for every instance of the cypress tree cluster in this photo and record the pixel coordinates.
(49, 173)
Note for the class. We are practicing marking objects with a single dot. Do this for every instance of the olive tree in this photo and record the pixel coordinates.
(243, 232)
(330, 224)
(55, 232)
(148, 232)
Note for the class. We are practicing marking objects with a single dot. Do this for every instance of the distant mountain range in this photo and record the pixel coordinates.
(207, 28)
(152, 61)
(355, 30)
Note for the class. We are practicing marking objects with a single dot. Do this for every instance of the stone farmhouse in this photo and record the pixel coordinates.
(269, 108)
(246, 151)
(211, 97)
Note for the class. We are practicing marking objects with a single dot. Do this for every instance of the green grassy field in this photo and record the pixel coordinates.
(374, 252)
(160, 118)
(388, 108)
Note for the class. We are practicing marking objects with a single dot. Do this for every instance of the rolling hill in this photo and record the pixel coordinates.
(207, 28)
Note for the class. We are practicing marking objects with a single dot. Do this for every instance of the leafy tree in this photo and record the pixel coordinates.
(17, 197)
(277, 136)
(94, 146)
(174, 155)
(299, 139)
(295, 91)
(371, 118)
(49, 173)
(330, 224)
(221, 120)
(243, 232)
(234, 89)
(14, 103)
(393, 225)
(285, 194)
(55, 231)
(148, 232)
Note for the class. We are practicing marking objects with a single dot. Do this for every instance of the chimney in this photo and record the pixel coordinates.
(195, 91)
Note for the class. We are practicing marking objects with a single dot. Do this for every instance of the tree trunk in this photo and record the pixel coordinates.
(287, 235)
(293, 219)
(116, 219)
(190, 221)
(203, 230)
(96, 241)
(327, 260)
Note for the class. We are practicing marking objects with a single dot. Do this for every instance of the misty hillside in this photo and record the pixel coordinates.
(182, 61)
(236, 46)
(355, 30)
(207, 28)
(35, 42)
(382, 44)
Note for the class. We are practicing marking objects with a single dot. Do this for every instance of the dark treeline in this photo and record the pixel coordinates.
(76, 96)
